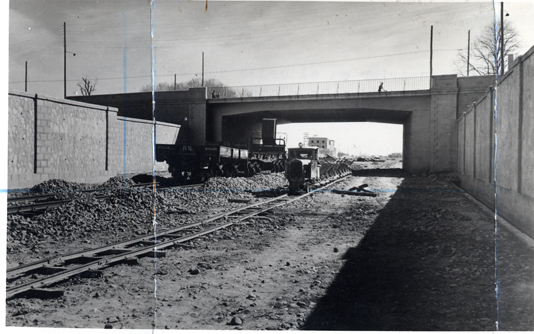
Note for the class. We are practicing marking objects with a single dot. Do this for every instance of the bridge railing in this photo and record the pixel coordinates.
(329, 87)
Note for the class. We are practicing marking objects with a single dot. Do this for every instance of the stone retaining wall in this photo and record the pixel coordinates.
(53, 138)
(502, 168)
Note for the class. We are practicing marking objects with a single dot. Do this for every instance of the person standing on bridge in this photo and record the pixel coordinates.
(381, 88)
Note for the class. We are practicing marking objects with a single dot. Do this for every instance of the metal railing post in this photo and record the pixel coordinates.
(363, 86)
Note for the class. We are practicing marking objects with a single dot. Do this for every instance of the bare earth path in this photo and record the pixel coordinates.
(420, 256)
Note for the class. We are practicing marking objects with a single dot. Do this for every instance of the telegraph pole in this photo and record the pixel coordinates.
(26, 77)
(175, 81)
(64, 60)
(501, 63)
(468, 49)
(431, 36)
(202, 70)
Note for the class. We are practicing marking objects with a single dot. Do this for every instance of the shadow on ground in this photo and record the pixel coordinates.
(423, 265)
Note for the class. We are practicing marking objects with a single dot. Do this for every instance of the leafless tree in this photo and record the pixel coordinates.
(87, 86)
(485, 54)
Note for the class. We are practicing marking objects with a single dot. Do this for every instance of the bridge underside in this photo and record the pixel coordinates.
(238, 121)
(428, 116)
(321, 116)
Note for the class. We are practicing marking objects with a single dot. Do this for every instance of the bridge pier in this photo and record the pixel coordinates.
(451, 96)
(443, 105)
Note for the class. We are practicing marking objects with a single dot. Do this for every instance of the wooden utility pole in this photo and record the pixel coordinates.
(64, 59)
(26, 77)
(501, 62)
(431, 36)
(202, 70)
(175, 81)
(468, 49)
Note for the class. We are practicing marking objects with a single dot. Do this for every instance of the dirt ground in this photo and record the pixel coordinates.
(419, 256)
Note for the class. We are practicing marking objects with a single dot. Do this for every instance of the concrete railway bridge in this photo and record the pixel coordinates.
(428, 115)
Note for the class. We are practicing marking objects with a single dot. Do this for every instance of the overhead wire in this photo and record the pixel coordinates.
(256, 68)
(107, 38)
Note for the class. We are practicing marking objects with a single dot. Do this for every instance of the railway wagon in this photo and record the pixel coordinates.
(268, 156)
(199, 162)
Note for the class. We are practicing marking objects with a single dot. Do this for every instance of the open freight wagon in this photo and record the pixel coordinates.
(197, 163)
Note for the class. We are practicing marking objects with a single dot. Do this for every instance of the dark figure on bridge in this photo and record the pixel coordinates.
(380, 88)
(213, 95)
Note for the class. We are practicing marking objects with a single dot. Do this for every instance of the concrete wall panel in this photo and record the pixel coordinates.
(167, 133)
(21, 135)
(407, 146)
(471, 89)
(507, 130)
(75, 138)
(443, 123)
(461, 145)
(527, 140)
(483, 114)
(137, 143)
(469, 143)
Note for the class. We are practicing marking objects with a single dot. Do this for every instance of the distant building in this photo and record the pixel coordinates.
(321, 142)
(325, 145)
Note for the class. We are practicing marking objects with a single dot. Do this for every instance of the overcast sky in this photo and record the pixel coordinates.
(244, 43)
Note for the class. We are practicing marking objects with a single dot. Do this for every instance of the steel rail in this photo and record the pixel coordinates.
(100, 262)
(35, 265)
(29, 208)
(44, 196)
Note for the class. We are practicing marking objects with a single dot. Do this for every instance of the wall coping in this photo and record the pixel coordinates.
(62, 101)
(140, 98)
(517, 62)
(145, 121)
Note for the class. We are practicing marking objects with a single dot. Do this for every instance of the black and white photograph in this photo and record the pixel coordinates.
(268, 165)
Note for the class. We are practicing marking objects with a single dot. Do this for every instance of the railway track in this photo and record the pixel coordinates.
(43, 197)
(30, 280)
(41, 202)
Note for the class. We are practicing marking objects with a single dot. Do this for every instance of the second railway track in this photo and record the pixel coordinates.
(29, 280)
(37, 204)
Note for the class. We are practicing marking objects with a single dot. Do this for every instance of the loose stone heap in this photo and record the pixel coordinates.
(241, 184)
(126, 211)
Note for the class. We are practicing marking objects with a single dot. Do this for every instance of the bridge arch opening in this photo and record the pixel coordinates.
(356, 139)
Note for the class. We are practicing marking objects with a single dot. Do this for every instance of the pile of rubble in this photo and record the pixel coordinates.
(241, 184)
(118, 181)
(55, 185)
(126, 212)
